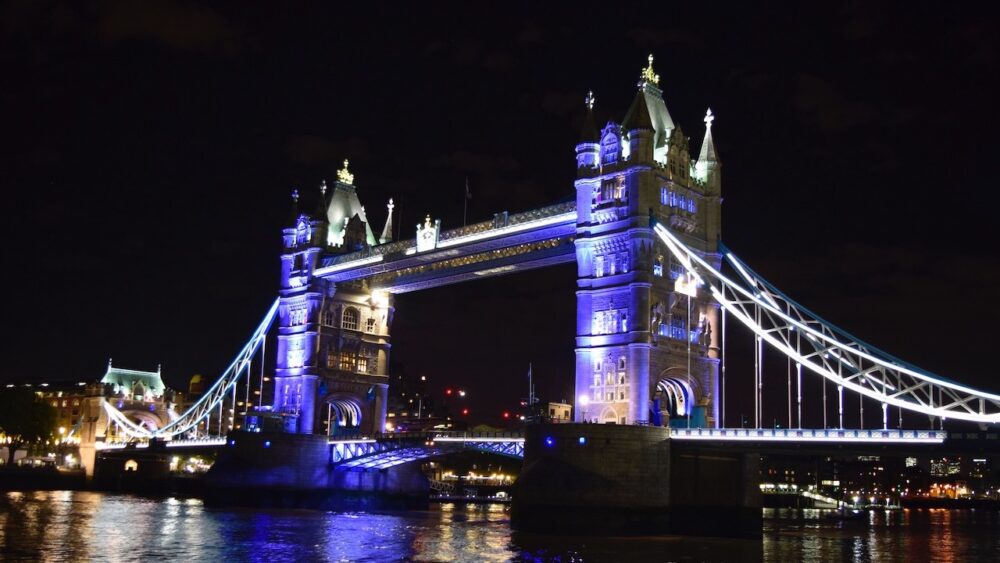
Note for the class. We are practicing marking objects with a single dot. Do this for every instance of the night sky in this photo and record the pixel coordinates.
(149, 150)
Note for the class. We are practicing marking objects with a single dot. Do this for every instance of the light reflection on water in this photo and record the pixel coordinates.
(64, 526)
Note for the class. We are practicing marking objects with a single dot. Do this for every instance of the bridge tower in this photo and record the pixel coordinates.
(647, 346)
(333, 338)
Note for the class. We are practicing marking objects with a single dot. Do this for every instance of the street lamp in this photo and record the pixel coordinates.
(584, 401)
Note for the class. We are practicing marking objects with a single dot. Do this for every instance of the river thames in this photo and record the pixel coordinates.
(86, 526)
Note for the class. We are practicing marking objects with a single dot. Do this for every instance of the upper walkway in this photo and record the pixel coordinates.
(510, 242)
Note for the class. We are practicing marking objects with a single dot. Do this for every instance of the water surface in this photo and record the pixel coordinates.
(75, 526)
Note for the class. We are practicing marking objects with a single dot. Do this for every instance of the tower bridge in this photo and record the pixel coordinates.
(643, 224)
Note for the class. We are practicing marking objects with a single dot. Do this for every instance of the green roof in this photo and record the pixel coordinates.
(126, 379)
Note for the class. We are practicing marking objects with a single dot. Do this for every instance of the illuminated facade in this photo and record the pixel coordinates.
(647, 344)
(333, 338)
(646, 352)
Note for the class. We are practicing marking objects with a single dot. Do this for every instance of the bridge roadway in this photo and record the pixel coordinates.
(388, 450)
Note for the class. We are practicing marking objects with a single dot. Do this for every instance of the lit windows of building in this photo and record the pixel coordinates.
(598, 266)
(676, 269)
(347, 361)
(658, 266)
(362, 364)
(351, 319)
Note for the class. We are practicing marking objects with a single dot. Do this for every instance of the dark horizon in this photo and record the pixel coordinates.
(151, 150)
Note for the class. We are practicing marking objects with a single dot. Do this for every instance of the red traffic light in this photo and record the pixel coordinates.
(447, 391)
(465, 412)
(506, 414)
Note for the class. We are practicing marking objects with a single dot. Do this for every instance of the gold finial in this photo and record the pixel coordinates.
(589, 100)
(648, 75)
(344, 176)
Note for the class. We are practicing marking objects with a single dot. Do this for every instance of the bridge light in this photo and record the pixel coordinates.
(549, 441)
(582, 440)
(447, 391)
(267, 443)
(461, 392)
(506, 415)
(465, 411)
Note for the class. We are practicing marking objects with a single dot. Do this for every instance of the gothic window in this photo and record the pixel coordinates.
(691, 207)
(363, 364)
(328, 318)
(621, 379)
(597, 379)
(609, 148)
(297, 316)
(624, 318)
(676, 269)
(350, 321)
(613, 265)
(609, 191)
(597, 366)
(658, 266)
(624, 262)
(664, 196)
(331, 359)
(677, 328)
(621, 397)
(297, 262)
(347, 360)
(598, 266)
(371, 324)
(610, 397)
(619, 188)
(621, 364)
(609, 380)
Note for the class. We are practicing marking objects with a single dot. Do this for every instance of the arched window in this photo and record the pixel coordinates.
(658, 266)
(350, 321)
(371, 324)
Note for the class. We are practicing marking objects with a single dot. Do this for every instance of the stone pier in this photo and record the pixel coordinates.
(633, 480)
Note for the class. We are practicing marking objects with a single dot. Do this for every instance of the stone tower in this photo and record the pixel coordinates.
(647, 343)
(333, 338)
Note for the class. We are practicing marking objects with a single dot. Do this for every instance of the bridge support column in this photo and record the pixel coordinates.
(612, 480)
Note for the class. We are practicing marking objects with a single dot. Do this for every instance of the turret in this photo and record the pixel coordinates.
(588, 149)
(708, 165)
(387, 230)
(649, 118)
(639, 127)
(319, 223)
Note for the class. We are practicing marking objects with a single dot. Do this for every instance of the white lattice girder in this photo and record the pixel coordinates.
(832, 353)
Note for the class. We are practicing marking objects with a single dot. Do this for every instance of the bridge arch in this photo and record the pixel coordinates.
(343, 415)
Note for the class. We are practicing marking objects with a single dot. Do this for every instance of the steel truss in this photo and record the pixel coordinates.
(828, 351)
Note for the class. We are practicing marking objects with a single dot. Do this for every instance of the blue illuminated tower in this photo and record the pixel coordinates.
(646, 351)
(333, 338)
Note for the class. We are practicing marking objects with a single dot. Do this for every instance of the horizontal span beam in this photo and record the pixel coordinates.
(794, 435)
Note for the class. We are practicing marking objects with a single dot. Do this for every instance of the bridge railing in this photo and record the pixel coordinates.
(501, 221)
(809, 435)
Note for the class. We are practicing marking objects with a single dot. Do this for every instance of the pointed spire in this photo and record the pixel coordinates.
(588, 133)
(637, 116)
(295, 208)
(707, 153)
(321, 204)
(387, 230)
